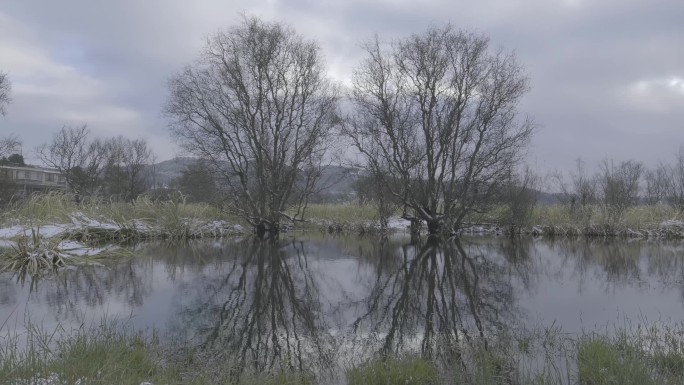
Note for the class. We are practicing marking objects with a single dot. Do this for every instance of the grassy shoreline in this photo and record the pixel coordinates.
(57, 216)
(109, 353)
(656, 221)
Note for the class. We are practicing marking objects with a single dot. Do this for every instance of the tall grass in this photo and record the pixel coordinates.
(178, 219)
(98, 355)
(102, 220)
(414, 371)
(637, 217)
(110, 354)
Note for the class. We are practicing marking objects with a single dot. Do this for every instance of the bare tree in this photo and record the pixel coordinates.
(258, 108)
(520, 199)
(619, 186)
(5, 88)
(676, 187)
(125, 167)
(665, 183)
(436, 120)
(76, 156)
(87, 175)
(10, 145)
(581, 189)
(198, 183)
(658, 184)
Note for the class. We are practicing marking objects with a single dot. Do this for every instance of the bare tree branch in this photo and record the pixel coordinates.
(5, 89)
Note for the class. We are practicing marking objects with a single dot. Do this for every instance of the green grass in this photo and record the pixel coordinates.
(109, 354)
(104, 355)
(414, 371)
(603, 362)
(648, 355)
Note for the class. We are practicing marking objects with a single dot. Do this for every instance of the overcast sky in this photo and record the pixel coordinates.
(607, 75)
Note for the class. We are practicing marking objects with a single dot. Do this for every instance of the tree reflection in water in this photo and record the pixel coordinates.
(436, 298)
(262, 312)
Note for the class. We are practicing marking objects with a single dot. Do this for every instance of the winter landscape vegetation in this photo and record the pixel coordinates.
(386, 230)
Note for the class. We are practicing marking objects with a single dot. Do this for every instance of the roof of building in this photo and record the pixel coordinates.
(30, 167)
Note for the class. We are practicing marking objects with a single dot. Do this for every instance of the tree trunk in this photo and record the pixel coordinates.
(265, 229)
(416, 224)
(434, 226)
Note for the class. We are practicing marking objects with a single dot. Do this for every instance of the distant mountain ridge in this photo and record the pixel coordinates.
(165, 172)
(337, 182)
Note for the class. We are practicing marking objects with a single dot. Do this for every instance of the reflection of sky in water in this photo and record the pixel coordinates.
(593, 296)
(573, 283)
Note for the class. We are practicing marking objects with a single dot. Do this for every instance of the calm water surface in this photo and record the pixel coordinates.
(245, 294)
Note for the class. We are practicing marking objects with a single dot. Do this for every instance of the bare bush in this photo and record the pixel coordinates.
(619, 186)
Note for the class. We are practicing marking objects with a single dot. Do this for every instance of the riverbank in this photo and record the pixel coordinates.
(52, 231)
(646, 222)
(58, 218)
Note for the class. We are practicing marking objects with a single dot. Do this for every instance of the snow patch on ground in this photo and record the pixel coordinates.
(676, 223)
(396, 223)
(47, 231)
(11, 232)
(54, 379)
(80, 219)
(73, 248)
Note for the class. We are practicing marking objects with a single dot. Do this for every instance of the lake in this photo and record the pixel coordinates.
(304, 294)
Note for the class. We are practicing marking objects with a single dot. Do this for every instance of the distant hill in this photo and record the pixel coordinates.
(546, 198)
(163, 173)
(336, 183)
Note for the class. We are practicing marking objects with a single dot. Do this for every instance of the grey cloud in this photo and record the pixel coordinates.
(584, 59)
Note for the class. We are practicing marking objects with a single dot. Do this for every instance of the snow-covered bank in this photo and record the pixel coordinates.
(670, 229)
(85, 228)
(394, 224)
(33, 247)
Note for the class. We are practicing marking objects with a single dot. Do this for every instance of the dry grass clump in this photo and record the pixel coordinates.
(33, 255)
